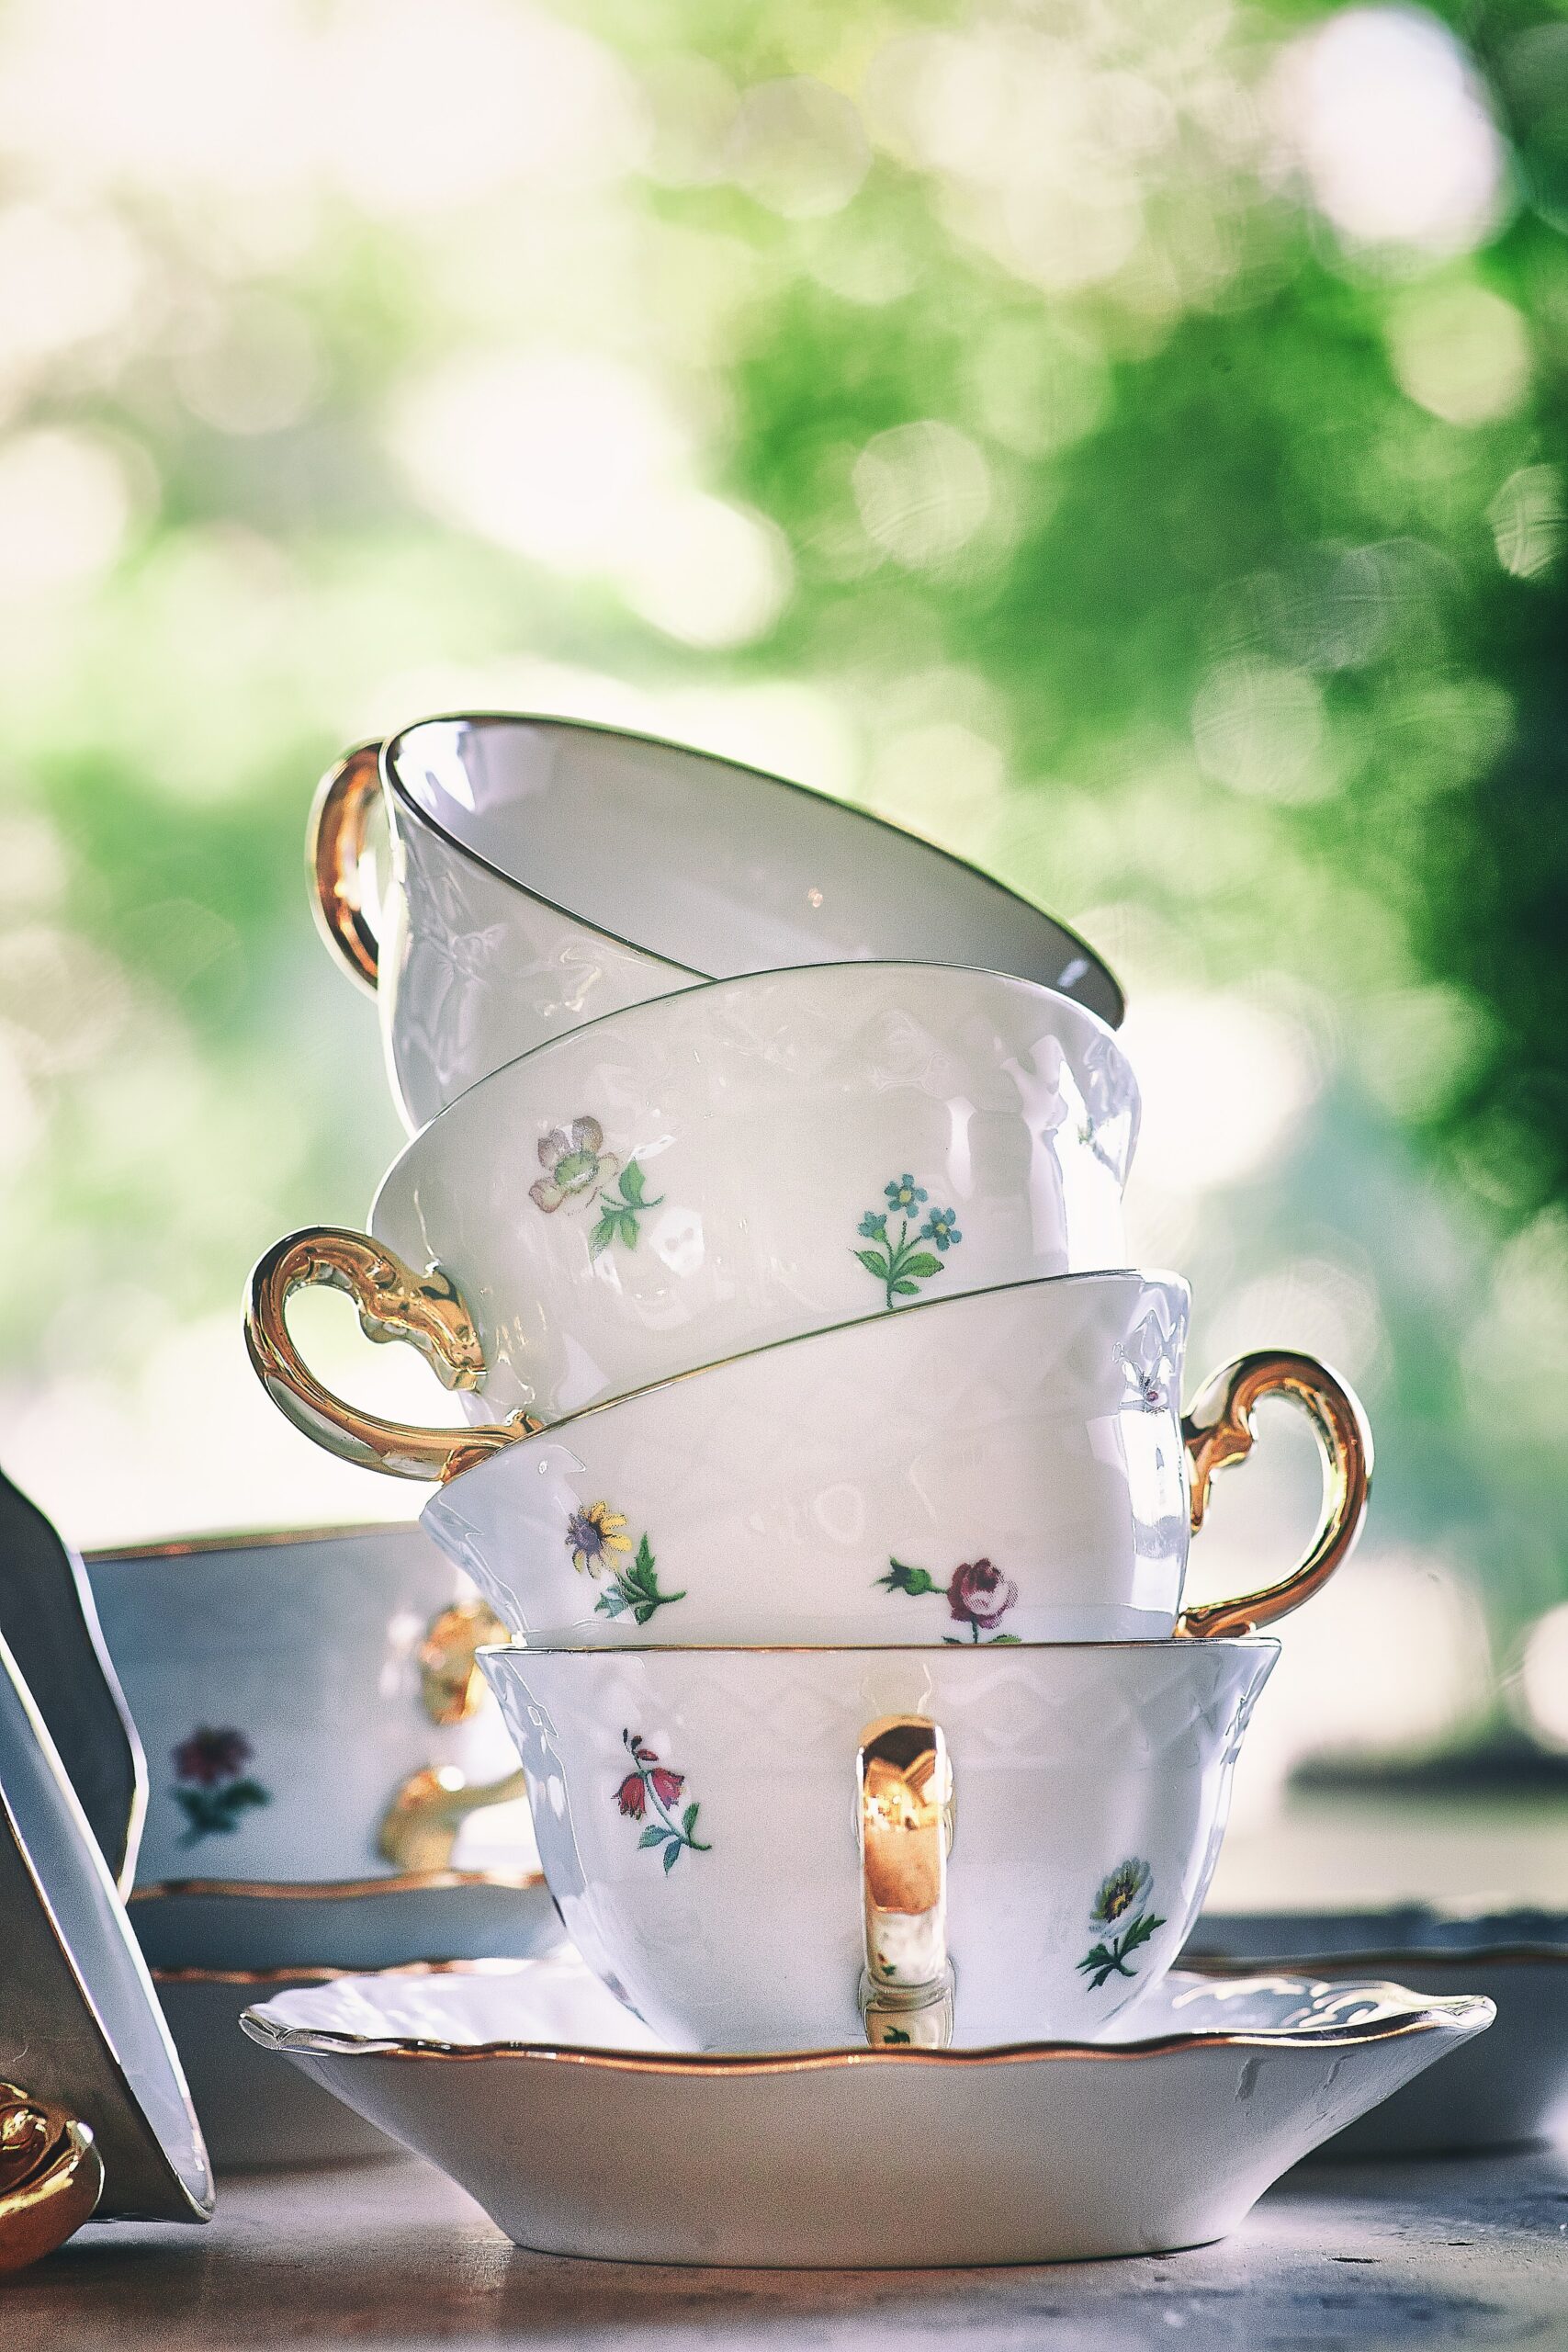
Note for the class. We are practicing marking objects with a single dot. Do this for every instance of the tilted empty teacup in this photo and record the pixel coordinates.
(741, 1163)
(544, 872)
(1008, 1465)
(308, 1705)
(743, 1844)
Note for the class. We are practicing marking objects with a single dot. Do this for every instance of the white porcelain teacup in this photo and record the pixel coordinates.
(1009, 1466)
(1037, 1829)
(309, 1709)
(544, 872)
(741, 1163)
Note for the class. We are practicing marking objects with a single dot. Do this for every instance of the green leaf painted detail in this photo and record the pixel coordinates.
(898, 1260)
(636, 1589)
(619, 1209)
(1119, 1909)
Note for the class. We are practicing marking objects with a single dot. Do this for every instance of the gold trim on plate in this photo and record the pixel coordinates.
(335, 1890)
(1463, 2012)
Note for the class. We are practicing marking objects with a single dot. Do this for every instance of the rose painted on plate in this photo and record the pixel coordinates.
(214, 1790)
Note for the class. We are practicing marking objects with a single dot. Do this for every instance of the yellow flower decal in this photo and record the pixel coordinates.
(593, 1537)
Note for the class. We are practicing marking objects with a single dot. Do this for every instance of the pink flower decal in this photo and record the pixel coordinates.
(651, 1784)
(573, 1162)
(979, 1596)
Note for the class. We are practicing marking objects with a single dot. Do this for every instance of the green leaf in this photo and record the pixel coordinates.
(631, 1184)
(895, 2033)
(602, 1234)
(906, 1290)
(670, 1853)
(901, 1578)
(922, 1264)
(611, 1601)
(654, 1835)
(874, 1264)
(643, 1565)
(1005, 1641)
(1147, 1924)
(688, 1817)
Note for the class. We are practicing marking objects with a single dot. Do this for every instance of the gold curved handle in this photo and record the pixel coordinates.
(394, 1303)
(419, 1828)
(905, 1810)
(52, 2177)
(1218, 1430)
(334, 846)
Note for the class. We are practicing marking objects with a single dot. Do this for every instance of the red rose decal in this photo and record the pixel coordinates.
(650, 1794)
(980, 1595)
(667, 1785)
(209, 1757)
(632, 1796)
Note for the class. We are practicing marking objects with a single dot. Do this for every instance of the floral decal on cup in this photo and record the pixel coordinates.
(619, 1211)
(1122, 1912)
(1153, 1389)
(214, 1789)
(899, 1263)
(594, 1537)
(578, 1168)
(977, 1595)
(651, 1787)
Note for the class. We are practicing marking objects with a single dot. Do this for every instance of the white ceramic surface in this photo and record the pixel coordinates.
(578, 2136)
(695, 1812)
(544, 873)
(742, 1163)
(1006, 1466)
(79, 2025)
(276, 1683)
(1513, 2091)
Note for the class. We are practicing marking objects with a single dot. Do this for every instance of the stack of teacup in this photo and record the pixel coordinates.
(824, 1461)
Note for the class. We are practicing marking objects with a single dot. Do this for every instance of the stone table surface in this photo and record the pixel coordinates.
(1437, 2253)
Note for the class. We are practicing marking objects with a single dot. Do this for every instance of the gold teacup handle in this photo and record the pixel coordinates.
(905, 1814)
(1218, 1430)
(334, 846)
(420, 1826)
(427, 1310)
(52, 2177)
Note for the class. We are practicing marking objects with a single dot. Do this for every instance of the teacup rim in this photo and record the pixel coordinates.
(878, 1318)
(701, 987)
(391, 744)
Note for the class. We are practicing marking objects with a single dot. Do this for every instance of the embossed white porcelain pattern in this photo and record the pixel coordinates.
(528, 2088)
(694, 1177)
(1010, 1463)
(276, 1683)
(546, 872)
(694, 1811)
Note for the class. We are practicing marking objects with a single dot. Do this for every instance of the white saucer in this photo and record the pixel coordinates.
(554, 2109)
(1511, 2090)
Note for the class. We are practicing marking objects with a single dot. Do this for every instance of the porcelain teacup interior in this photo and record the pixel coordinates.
(1006, 1466)
(309, 1706)
(784, 1849)
(544, 872)
(744, 1162)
